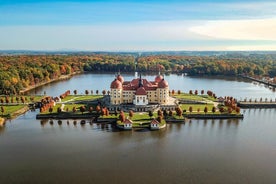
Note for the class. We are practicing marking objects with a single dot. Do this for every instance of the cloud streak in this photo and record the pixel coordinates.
(260, 29)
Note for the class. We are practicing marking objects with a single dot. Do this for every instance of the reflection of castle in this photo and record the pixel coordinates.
(139, 91)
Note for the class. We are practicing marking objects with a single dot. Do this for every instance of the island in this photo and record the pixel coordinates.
(138, 104)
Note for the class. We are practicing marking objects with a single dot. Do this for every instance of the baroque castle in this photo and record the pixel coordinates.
(139, 91)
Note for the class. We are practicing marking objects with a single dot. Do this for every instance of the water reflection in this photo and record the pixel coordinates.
(2, 128)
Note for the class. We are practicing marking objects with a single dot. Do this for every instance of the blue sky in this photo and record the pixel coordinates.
(114, 25)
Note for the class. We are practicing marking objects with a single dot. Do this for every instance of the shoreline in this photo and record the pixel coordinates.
(62, 77)
(19, 112)
(2, 121)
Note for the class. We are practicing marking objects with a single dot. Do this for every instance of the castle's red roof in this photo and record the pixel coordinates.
(154, 121)
(116, 84)
(141, 91)
(158, 78)
(127, 121)
(163, 84)
(134, 84)
(120, 78)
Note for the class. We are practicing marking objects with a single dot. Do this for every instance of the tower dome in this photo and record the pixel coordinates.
(120, 78)
(116, 84)
(158, 78)
(163, 84)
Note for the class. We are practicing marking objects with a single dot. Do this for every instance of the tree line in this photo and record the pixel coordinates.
(22, 71)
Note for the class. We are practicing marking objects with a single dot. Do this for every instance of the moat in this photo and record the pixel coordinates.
(197, 151)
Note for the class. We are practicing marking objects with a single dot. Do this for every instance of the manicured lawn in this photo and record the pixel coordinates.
(186, 96)
(196, 107)
(73, 98)
(10, 109)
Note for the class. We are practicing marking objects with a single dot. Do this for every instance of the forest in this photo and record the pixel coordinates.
(18, 72)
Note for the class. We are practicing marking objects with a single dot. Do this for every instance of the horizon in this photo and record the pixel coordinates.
(138, 26)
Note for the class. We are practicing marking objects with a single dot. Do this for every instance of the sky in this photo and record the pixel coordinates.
(156, 25)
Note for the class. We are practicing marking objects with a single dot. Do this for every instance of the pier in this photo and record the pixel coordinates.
(257, 104)
(260, 81)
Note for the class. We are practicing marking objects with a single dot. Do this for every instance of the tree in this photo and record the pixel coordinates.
(58, 110)
(165, 113)
(230, 110)
(22, 99)
(74, 109)
(97, 92)
(122, 116)
(107, 112)
(238, 110)
(205, 110)
(98, 108)
(179, 111)
(202, 92)
(82, 109)
(150, 113)
(190, 109)
(159, 119)
(179, 92)
(2, 110)
(159, 113)
(90, 109)
(196, 92)
(104, 92)
(173, 92)
(86, 92)
(131, 113)
(170, 113)
(103, 111)
(75, 92)
(221, 110)
(214, 109)
(190, 92)
(51, 110)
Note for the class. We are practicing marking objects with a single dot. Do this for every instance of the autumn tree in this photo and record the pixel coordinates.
(98, 108)
(170, 113)
(131, 113)
(205, 109)
(122, 116)
(86, 92)
(82, 109)
(165, 113)
(90, 109)
(51, 110)
(173, 92)
(214, 109)
(190, 109)
(150, 113)
(202, 92)
(179, 111)
(238, 110)
(2, 110)
(75, 92)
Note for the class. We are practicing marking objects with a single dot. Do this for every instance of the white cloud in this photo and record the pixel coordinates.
(260, 29)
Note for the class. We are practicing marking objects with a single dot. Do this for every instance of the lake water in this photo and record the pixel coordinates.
(198, 151)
